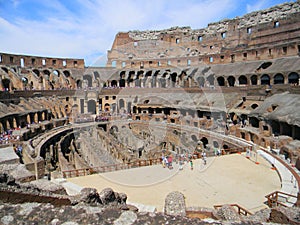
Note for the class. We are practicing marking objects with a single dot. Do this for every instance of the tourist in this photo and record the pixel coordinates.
(170, 161)
(166, 161)
(204, 157)
(191, 162)
(180, 163)
(216, 151)
(163, 161)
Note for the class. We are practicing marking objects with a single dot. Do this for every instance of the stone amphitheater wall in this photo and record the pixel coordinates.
(261, 35)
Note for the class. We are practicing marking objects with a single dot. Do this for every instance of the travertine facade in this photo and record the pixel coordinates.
(262, 35)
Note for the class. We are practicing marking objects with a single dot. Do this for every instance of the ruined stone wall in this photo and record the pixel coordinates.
(23, 61)
(240, 39)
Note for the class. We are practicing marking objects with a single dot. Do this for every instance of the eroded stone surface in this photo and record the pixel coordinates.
(175, 204)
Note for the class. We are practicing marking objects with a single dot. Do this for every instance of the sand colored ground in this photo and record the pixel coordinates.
(226, 179)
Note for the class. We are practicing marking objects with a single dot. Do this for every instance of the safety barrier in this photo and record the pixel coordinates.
(241, 210)
(110, 168)
(276, 198)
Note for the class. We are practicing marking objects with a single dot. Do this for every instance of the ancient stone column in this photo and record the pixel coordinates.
(175, 204)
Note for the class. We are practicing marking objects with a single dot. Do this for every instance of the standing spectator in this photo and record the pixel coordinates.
(191, 162)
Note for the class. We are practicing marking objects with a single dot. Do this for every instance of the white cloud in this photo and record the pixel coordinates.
(256, 6)
(91, 30)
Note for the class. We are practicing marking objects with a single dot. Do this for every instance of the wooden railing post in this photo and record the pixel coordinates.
(298, 200)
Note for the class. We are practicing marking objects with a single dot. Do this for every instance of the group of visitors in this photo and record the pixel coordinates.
(217, 151)
(167, 161)
(8, 137)
(181, 159)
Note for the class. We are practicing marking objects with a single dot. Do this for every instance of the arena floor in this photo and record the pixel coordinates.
(223, 180)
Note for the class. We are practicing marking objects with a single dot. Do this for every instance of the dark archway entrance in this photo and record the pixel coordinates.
(265, 79)
(253, 79)
(204, 141)
(243, 80)
(88, 78)
(278, 79)
(221, 81)
(294, 78)
(5, 83)
(231, 81)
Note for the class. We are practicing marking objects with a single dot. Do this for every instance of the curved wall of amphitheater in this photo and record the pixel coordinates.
(237, 78)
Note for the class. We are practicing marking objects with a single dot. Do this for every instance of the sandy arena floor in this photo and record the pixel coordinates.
(224, 180)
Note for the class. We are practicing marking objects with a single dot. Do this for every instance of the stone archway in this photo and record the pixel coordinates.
(67, 73)
(278, 79)
(6, 84)
(243, 80)
(200, 81)
(231, 81)
(79, 83)
(211, 79)
(204, 141)
(114, 83)
(293, 78)
(265, 79)
(122, 82)
(89, 80)
(253, 79)
(221, 81)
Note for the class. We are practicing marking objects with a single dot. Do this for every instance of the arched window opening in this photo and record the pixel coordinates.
(114, 83)
(278, 79)
(88, 78)
(265, 79)
(231, 81)
(5, 83)
(122, 74)
(46, 72)
(216, 144)
(200, 81)
(221, 81)
(79, 83)
(66, 73)
(211, 80)
(37, 72)
(275, 127)
(204, 141)
(122, 83)
(254, 122)
(293, 78)
(253, 80)
(56, 73)
(243, 80)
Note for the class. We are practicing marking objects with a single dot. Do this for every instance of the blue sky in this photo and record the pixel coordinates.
(86, 28)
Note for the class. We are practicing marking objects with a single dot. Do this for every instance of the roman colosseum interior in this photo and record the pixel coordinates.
(232, 86)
